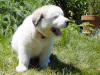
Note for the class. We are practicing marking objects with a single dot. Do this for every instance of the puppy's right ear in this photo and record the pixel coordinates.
(37, 19)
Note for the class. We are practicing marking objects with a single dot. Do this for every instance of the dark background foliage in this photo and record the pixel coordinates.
(73, 8)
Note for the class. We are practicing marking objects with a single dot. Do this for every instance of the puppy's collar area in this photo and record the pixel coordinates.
(41, 35)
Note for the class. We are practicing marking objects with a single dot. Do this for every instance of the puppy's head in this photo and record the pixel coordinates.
(49, 19)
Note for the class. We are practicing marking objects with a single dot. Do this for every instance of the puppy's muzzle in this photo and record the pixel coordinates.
(66, 23)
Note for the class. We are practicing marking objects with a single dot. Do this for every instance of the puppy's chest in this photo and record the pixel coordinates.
(37, 45)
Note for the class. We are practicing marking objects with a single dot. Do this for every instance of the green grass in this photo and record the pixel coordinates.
(77, 55)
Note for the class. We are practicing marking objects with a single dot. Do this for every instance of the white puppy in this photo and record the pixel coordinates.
(35, 36)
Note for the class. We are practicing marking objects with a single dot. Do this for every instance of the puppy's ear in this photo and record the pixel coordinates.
(37, 19)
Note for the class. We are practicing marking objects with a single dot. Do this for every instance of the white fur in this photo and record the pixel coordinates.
(27, 42)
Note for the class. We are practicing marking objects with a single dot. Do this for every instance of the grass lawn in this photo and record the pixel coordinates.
(73, 54)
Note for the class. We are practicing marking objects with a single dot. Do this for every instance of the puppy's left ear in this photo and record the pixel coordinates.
(37, 19)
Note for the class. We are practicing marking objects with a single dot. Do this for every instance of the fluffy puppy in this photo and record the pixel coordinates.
(35, 36)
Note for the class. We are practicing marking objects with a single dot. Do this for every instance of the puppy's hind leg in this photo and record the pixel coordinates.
(23, 60)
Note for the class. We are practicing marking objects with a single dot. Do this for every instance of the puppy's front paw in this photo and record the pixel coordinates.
(21, 68)
(44, 64)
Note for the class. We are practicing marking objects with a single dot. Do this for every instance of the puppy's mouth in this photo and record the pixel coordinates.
(56, 31)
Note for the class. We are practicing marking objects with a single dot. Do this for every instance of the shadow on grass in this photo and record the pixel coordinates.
(62, 67)
(56, 65)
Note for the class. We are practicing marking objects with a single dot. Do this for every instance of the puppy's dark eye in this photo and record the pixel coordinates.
(55, 17)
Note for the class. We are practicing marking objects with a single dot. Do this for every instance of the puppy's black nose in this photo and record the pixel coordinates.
(67, 22)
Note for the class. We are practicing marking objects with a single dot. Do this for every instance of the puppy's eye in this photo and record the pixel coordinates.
(55, 17)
